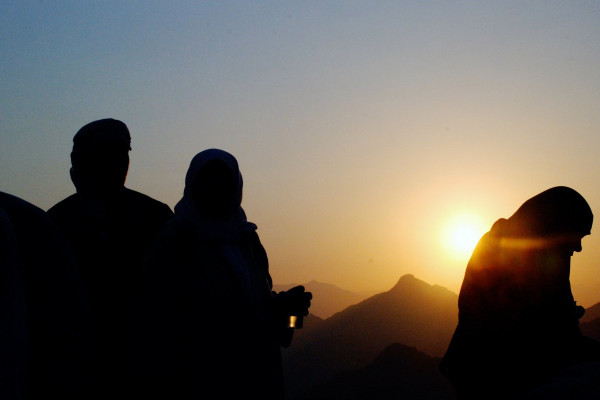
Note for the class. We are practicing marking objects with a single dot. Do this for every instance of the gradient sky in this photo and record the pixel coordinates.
(360, 127)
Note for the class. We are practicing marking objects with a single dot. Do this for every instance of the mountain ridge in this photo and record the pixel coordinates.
(328, 298)
(366, 344)
(413, 313)
(398, 371)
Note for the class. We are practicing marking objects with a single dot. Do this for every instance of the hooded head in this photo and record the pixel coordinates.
(100, 156)
(213, 184)
(212, 197)
(559, 216)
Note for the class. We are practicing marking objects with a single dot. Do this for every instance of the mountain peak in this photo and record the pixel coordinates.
(410, 284)
(407, 280)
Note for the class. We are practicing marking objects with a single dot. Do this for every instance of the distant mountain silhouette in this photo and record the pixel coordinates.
(586, 294)
(591, 313)
(399, 372)
(591, 329)
(412, 313)
(327, 299)
(590, 322)
(311, 324)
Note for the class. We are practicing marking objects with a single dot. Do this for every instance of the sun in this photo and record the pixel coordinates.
(460, 235)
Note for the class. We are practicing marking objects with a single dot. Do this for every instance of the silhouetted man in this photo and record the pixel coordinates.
(44, 315)
(109, 227)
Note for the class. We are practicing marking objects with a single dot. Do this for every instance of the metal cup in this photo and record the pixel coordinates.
(295, 321)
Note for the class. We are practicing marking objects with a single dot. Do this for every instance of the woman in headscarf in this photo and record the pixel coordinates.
(518, 321)
(209, 321)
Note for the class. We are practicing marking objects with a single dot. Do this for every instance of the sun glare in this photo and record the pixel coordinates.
(461, 234)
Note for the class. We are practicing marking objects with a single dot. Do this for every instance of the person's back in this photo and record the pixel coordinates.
(198, 332)
(13, 316)
(56, 305)
(109, 248)
(109, 227)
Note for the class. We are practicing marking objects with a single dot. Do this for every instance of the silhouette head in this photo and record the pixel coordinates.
(214, 184)
(100, 156)
(560, 216)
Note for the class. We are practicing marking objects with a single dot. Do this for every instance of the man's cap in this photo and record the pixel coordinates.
(102, 131)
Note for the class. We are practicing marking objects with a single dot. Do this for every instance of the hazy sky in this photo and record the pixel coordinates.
(361, 127)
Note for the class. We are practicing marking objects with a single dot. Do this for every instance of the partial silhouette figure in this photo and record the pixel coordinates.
(518, 321)
(109, 227)
(210, 324)
(45, 314)
(13, 316)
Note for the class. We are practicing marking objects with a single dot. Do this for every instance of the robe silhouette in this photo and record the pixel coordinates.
(13, 316)
(45, 309)
(210, 324)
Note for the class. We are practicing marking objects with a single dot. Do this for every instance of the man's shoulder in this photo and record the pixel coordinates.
(142, 198)
(11, 202)
(27, 217)
(21, 211)
(143, 202)
(68, 209)
(64, 204)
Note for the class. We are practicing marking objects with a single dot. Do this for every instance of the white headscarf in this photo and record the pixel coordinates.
(204, 226)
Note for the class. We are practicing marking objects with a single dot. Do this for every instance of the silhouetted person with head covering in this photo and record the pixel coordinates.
(109, 227)
(518, 321)
(44, 315)
(210, 324)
